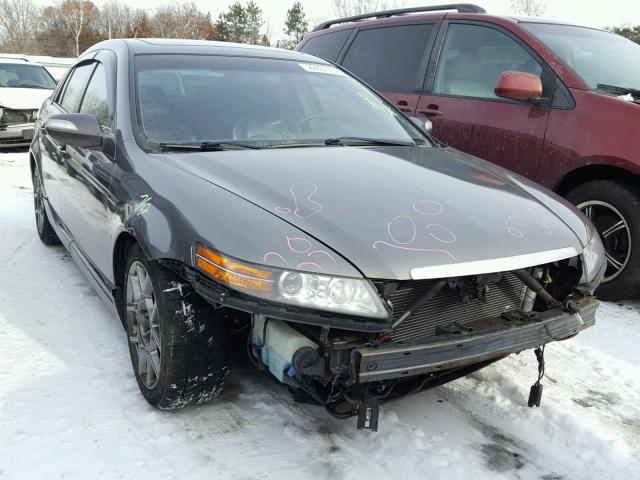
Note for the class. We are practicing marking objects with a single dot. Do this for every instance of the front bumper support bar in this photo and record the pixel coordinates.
(502, 337)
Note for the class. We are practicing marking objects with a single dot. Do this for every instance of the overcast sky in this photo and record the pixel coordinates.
(585, 12)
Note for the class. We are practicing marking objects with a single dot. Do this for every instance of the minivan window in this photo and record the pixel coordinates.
(75, 87)
(473, 57)
(95, 99)
(389, 58)
(260, 101)
(14, 75)
(598, 57)
(327, 46)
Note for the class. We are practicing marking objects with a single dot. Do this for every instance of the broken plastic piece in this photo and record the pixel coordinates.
(368, 414)
(535, 395)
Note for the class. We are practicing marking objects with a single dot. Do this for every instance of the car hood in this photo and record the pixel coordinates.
(398, 212)
(23, 98)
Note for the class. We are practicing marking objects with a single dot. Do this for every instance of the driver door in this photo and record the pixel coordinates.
(82, 193)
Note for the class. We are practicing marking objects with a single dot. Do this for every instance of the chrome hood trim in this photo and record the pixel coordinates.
(503, 264)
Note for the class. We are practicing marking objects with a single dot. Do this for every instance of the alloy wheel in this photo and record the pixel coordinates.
(143, 324)
(615, 234)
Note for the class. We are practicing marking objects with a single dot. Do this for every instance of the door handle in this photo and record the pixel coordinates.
(403, 106)
(61, 148)
(431, 111)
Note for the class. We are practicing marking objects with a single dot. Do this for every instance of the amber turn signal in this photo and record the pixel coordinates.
(233, 273)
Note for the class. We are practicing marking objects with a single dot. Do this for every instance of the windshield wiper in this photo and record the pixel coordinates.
(614, 90)
(29, 85)
(366, 141)
(208, 146)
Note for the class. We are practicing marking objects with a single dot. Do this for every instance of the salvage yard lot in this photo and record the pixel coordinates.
(70, 406)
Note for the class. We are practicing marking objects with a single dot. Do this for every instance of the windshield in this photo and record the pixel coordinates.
(25, 76)
(598, 57)
(257, 101)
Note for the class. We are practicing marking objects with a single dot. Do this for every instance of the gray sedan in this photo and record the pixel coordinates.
(219, 195)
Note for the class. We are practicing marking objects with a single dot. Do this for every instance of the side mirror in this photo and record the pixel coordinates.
(74, 129)
(520, 86)
(422, 124)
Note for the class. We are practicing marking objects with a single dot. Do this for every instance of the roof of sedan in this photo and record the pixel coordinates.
(15, 61)
(167, 46)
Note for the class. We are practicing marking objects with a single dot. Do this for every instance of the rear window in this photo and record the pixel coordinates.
(327, 46)
(389, 58)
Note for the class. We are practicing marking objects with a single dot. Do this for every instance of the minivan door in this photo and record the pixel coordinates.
(460, 101)
(393, 60)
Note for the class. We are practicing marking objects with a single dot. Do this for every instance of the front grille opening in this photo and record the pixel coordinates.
(506, 293)
(11, 117)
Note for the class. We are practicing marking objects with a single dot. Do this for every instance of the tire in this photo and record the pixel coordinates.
(46, 232)
(612, 202)
(192, 337)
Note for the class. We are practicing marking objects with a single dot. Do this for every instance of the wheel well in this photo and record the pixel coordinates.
(593, 172)
(120, 254)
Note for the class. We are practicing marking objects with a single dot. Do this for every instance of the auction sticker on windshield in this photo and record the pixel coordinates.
(317, 68)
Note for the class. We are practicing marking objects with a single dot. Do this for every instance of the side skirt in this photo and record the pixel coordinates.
(99, 284)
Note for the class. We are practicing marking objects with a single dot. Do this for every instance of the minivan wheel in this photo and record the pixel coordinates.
(614, 209)
(46, 232)
(177, 341)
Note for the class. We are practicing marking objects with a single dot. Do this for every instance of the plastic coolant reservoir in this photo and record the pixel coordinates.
(282, 342)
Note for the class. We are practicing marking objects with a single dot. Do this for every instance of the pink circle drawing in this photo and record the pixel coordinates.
(428, 207)
(443, 234)
(403, 226)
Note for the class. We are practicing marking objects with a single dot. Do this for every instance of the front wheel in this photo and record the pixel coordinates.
(614, 209)
(177, 342)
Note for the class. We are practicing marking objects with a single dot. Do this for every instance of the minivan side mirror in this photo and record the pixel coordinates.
(520, 86)
(74, 129)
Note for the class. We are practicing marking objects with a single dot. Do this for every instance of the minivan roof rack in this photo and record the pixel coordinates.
(460, 7)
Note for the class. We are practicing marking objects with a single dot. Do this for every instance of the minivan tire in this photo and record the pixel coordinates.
(193, 338)
(626, 200)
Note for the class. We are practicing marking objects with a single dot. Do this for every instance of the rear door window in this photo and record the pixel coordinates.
(327, 46)
(390, 59)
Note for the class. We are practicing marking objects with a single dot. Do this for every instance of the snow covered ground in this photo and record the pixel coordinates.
(70, 406)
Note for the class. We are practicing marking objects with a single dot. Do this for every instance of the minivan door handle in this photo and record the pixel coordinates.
(431, 111)
(403, 106)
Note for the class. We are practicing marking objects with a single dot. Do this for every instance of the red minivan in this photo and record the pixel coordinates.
(555, 102)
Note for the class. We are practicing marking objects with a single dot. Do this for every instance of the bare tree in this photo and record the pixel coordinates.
(531, 8)
(182, 21)
(349, 8)
(75, 17)
(117, 20)
(17, 23)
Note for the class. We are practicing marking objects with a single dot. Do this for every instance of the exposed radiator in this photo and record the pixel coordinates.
(446, 307)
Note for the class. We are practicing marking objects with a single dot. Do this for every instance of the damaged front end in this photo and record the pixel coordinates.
(432, 331)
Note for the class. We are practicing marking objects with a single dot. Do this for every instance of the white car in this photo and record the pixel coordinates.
(23, 87)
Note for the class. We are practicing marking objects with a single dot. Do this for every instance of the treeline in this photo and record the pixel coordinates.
(632, 33)
(68, 27)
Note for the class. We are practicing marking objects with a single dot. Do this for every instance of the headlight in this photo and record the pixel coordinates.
(593, 258)
(354, 296)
